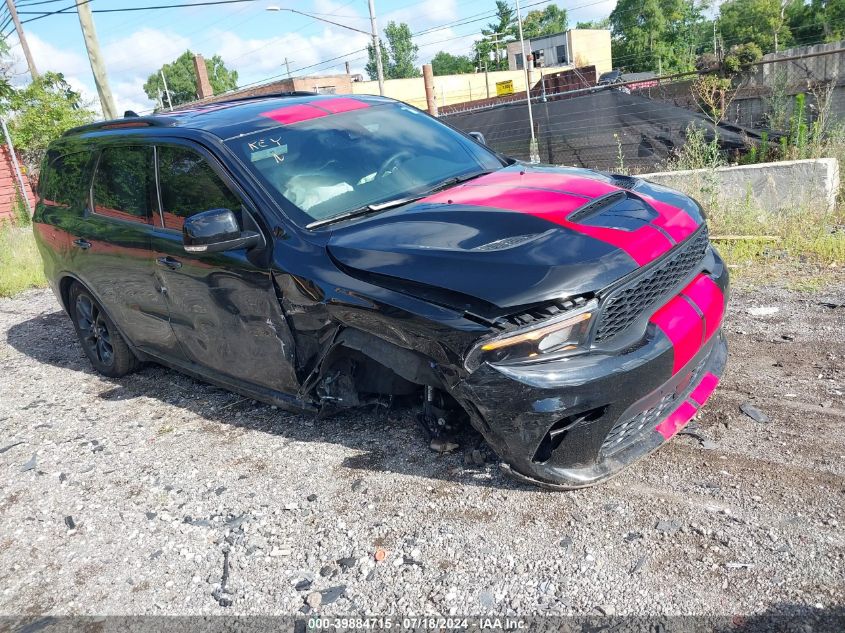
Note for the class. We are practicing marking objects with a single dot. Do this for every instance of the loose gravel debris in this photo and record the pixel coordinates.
(187, 499)
(754, 413)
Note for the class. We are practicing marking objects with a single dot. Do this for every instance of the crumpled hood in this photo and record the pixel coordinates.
(518, 236)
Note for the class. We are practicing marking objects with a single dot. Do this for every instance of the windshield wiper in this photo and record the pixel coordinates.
(362, 211)
(456, 180)
(396, 202)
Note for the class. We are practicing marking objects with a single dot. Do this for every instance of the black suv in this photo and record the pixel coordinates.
(320, 253)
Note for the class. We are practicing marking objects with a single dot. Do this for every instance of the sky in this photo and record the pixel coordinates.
(249, 38)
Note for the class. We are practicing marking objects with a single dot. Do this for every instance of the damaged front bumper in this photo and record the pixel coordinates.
(575, 422)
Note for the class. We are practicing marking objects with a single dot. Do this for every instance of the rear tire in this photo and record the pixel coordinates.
(102, 343)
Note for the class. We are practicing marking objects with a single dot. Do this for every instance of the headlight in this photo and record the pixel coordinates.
(565, 333)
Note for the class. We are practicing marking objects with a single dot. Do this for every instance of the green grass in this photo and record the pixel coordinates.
(807, 236)
(20, 263)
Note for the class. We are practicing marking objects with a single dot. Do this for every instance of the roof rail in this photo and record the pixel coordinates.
(128, 122)
(133, 120)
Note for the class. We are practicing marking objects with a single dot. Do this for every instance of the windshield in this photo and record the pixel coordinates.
(336, 164)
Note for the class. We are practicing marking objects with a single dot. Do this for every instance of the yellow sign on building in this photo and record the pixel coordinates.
(504, 88)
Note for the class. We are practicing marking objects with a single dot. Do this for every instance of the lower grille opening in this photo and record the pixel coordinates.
(560, 429)
(628, 431)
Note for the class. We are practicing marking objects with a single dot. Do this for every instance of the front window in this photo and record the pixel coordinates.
(332, 165)
(188, 185)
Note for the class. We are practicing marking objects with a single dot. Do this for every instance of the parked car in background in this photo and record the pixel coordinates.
(325, 252)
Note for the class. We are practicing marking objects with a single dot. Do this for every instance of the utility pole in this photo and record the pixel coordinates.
(89, 33)
(33, 71)
(287, 66)
(428, 82)
(377, 47)
(532, 148)
(714, 36)
(166, 90)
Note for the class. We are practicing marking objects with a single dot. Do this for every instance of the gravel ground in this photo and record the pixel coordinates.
(132, 496)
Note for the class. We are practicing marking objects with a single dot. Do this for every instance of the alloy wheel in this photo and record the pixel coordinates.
(96, 336)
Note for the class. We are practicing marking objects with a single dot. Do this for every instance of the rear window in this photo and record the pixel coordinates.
(64, 179)
(124, 183)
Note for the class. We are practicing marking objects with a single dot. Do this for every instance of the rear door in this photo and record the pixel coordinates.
(113, 256)
(223, 306)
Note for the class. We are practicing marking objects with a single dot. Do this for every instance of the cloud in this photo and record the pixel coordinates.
(144, 51)
(129, 95)
(49, 57)
(257, 58)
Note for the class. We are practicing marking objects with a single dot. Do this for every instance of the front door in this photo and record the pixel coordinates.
(223, 306)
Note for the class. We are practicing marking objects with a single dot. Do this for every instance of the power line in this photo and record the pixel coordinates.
(44, 15)
(64, 11)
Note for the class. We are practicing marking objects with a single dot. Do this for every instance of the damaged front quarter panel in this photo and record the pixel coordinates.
(357, 346)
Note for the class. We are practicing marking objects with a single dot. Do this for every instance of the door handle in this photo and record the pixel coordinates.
(169, 262)
(82, 243)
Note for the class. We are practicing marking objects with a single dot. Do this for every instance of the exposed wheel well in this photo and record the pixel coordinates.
(64, 291)
(360, 365)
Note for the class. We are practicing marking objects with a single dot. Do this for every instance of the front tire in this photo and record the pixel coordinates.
(102, 343)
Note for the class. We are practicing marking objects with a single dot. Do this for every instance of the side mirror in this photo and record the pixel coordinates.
(478, 136)
(215, 231)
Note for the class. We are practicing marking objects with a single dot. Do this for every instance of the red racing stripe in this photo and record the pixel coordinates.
(676, 421)
(702, 392)
(644, 244)
(681, 324)
(297, 112)
(537, 202)
(676, 222)
(294, 113)
(561, 182)
(707, 295)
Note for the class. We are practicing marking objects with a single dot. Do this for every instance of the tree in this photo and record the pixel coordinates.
(371, 69)
(817, 21)
(741, 55)
(447, 64)
(658, 35)
(714, 96)
(602, 24)
(399, 56)
(547, 21)
(763, 22)
(182, 79)
(41, 112)
(6, 70)
(496, 36)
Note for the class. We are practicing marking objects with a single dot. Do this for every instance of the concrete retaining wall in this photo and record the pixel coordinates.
(787, 186)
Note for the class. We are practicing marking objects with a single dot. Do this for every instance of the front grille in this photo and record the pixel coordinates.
(626, 304)
(628, 430)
